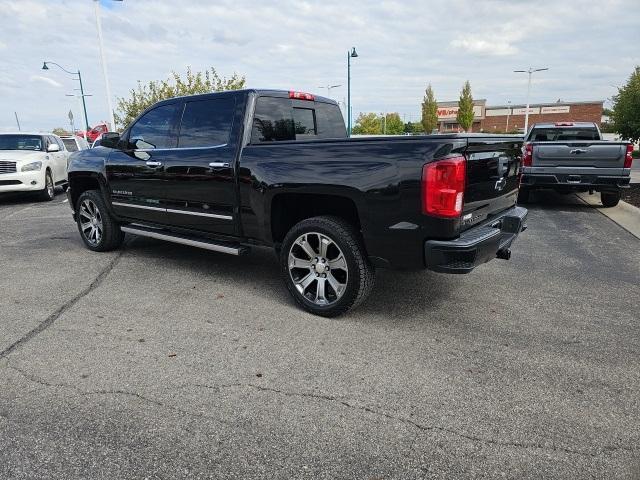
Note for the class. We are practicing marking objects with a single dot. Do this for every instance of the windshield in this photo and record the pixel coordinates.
(20, 142)
(563, 134)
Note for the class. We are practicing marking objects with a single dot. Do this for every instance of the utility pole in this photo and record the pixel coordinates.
(508, 113)
(17, 121)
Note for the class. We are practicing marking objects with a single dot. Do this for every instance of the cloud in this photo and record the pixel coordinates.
(484, 47)
(301, 44)
(47, 80)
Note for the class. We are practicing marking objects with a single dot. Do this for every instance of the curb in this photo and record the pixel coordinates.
(624, 214)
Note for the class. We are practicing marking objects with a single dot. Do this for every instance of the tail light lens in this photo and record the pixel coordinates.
(527, 157)
(628, 158)
(443, 187)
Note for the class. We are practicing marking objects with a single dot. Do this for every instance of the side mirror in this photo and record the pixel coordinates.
(53, 147)
(110, 139)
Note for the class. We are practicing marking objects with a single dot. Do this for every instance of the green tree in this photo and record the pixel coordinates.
(192, 83)
(60, 131)
(368, 124)
(465, 107)
(429, 111)
(626, 108)
(393, 124)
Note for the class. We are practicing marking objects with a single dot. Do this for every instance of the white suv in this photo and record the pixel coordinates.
(32, 162)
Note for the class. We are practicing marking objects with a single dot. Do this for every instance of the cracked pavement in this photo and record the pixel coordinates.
(163, 361)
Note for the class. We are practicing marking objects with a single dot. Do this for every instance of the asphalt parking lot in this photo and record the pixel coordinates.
(163, 361)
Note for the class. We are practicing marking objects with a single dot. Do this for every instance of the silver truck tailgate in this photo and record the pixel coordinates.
(598, 154)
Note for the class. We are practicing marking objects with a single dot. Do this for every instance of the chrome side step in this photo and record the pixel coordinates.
(231, 249)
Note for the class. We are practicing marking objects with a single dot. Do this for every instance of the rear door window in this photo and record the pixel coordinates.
(155, 129)
(206, 123)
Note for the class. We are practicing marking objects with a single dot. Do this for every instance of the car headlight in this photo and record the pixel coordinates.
(30, 167)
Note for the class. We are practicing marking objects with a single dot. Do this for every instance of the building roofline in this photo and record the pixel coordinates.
(552, 104)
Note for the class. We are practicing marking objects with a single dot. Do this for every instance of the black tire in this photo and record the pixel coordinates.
(610, 199)
(110, 237)
(523, 195)
(48, 193)
(355, 281)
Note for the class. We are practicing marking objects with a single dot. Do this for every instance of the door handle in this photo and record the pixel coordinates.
(154, 164)
(219, 165)
(577, 151)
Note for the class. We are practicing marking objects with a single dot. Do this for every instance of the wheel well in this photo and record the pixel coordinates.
(80, 184)
(287, 209)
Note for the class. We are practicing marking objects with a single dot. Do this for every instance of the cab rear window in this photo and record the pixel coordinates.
(563, 134)
(282, 119)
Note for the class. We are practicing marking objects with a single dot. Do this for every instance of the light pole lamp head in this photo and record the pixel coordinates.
(44, 66)
(353, 53)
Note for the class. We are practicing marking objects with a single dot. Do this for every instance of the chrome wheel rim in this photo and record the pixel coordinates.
(318, 268)
(50, 187)
(90, 222)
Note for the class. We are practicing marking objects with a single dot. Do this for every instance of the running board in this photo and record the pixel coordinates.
(231, 249)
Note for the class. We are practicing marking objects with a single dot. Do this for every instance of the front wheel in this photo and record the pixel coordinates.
(48, 193)
(99, 231)
(610, 199)
(325, 267)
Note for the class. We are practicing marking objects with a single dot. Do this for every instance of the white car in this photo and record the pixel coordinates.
(32, 162)
(73, 143)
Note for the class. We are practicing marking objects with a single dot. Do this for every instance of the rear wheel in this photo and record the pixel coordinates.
(610, 199)
(324, 266)
(48, 193)
(99, 231)
(523, 195)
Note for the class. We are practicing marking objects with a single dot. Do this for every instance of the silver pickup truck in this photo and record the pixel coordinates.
(572, 157)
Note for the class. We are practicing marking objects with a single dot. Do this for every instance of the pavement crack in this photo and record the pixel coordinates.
(50, 320)
(425, 428)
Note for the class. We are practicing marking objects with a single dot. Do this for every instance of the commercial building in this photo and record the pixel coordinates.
(503, 118)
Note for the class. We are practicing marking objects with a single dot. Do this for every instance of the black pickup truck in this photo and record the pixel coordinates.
(227, 171)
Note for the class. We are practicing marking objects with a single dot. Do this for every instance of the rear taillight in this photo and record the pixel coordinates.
(527, 155)
(443, 187)
(301, 96)
(628, 158)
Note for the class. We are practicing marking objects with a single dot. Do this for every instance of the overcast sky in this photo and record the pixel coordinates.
(589, 46)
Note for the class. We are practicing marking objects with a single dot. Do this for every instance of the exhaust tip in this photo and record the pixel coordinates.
(504, 254)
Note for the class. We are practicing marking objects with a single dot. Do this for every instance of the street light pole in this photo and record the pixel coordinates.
(508, 113)
(96, 4)
(329, 87)
(530, 72)
(45, 66)
(350, 54)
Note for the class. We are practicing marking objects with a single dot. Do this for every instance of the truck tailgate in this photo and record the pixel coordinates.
(492, 178)
(599, 154)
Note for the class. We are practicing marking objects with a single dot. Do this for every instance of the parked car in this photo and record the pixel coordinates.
(32, 162)
(228, 171)
(74, 143)
(572, 157)
(92, 134)
(96, 142)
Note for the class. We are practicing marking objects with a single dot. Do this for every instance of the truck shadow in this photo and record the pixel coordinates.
(552, 200)
(396, 294)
